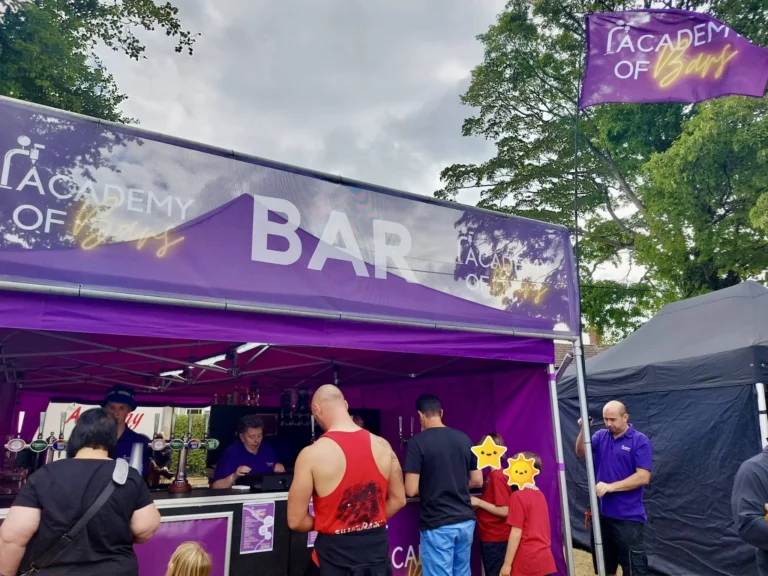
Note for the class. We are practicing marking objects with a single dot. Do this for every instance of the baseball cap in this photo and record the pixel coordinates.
(120, 395)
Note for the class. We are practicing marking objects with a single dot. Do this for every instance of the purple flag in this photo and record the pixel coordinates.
(642, 56)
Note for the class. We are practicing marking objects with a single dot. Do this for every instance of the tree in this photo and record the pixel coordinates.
(48, 49)
(665, 186)
(48, 56)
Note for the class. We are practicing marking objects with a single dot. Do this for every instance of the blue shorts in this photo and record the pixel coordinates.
(446, 551)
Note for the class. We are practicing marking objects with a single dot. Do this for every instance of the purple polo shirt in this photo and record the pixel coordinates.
(236, 455)
(617, 459)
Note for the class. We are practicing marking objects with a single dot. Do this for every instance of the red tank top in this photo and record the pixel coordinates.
(359, 501)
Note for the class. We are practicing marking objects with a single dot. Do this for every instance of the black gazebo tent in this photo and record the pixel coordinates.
(691, 378)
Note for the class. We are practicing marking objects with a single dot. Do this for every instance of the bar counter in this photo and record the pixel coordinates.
(247, 533)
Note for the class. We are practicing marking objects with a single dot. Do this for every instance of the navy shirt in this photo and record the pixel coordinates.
(617, 459)
(236, 455)
(750, 494)
(125, 446)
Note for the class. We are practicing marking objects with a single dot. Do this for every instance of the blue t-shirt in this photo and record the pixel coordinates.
(236, 455)
(617, 459)
(125, 445)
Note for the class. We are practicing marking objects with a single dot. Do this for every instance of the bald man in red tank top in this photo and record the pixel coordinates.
(356, 484)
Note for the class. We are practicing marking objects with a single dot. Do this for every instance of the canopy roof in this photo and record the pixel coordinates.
(103, 208)
(717, 339)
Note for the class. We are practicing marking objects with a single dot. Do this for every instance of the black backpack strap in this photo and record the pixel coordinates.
(118, 477)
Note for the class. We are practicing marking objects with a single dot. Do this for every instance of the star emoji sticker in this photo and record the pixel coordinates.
(489, 454)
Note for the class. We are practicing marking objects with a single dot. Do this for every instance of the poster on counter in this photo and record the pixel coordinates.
(312, 536)
(257, 533)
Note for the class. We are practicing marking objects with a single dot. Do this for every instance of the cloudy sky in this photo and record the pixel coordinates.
(366, 89)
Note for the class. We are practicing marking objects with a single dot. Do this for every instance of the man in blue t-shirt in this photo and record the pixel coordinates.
(247, 455)
(120, 402)
(623, 460)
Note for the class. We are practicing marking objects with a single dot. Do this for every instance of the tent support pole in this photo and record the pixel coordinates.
(593, 502)
(762, 414)
(561, 471)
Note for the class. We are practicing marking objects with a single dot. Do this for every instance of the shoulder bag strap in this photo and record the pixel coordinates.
(53, 552)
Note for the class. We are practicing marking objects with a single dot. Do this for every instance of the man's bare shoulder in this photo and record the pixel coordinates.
(380, 443)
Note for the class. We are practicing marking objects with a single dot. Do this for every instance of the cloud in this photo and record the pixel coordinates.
(369, 90)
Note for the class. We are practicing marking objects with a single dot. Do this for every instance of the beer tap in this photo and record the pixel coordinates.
(57, 445)
(403, 439)
(312, 429)
(39, 444)
(13, 478)
(180, 484)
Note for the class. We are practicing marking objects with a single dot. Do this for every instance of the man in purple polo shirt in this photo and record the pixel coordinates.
(623, 461)
(247, 455)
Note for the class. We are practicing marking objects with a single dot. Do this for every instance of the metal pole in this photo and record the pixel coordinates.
(762, 414)
(561, 472)
(591, 483)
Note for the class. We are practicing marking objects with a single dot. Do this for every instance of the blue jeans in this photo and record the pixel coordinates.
(446, 551)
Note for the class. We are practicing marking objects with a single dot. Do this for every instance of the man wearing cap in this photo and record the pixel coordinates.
(120, 402)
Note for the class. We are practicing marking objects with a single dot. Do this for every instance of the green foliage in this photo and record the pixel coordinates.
(195, 458)
(667, 186)
(47, 50)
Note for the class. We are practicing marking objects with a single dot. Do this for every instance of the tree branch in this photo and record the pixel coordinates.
(623, 184)
(622, 226)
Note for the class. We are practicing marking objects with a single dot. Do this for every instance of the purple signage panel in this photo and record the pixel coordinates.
(211, 531)
(404, 554)
(116, 209)
(258, 530)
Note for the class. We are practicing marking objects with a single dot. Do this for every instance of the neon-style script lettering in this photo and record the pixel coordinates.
(89, 240)
(672, 66)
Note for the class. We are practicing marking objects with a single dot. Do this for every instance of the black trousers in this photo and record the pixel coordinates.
(623, 545)
(493, 556)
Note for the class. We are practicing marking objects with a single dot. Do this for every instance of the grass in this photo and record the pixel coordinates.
(583, 561)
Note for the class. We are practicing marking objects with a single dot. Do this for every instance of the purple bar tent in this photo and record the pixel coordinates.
(127, 254)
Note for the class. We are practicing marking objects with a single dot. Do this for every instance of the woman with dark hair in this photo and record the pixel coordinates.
(59, 494)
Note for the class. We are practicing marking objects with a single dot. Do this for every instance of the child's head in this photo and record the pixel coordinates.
(536, 459)
(497, 439)
(189, 560)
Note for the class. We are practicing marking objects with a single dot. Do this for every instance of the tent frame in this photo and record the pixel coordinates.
(81, 291)
(146, 353)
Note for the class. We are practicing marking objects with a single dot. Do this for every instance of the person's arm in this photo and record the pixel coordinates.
(229, 481)
(15, 533)
(227, 471)
(512, 545)
(499, 493)
(500, 511)
(144, 523)
(302, 487)
(580, 451)
(412, 469)
(748, 500)
(395, 485)
(643, 461)
(475, 475)
(515, 519)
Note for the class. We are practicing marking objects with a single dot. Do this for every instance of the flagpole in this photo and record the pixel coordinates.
(578, 346)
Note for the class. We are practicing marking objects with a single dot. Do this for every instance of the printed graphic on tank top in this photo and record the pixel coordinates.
(357, 504)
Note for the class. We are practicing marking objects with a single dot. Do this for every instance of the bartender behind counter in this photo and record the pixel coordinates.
(120, 402)
(247, 455)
